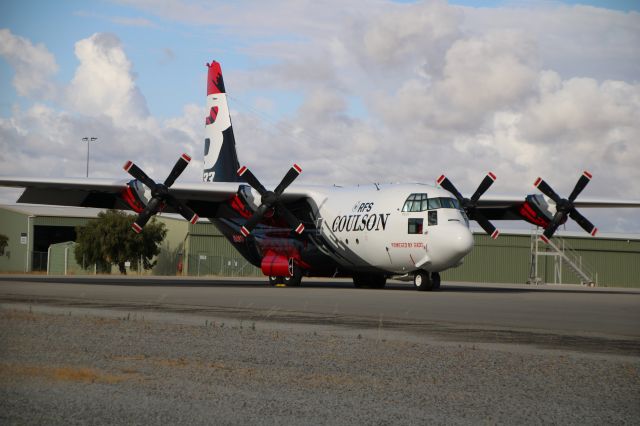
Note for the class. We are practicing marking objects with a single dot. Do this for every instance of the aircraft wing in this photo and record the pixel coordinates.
(202, 197)
(105, 193)
(509, 207)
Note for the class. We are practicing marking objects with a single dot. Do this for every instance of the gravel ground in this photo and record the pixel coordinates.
(79, 366)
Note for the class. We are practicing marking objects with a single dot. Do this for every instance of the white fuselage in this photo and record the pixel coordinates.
(370, 226)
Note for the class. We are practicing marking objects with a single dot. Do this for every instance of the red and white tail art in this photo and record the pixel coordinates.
(220, 157)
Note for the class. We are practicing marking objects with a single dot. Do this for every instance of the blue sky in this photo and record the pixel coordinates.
(359, 91)
(167, 54)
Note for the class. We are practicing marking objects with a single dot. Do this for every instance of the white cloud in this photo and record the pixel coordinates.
(103, 83)
(33, 65)
(522, 91)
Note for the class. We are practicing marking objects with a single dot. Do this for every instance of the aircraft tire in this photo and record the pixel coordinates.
(435, 278)
(369, 281)
(296, 279)
(422, 281)
(274, 281)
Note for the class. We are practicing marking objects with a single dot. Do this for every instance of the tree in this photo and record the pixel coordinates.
(3, 243)
(110, 240)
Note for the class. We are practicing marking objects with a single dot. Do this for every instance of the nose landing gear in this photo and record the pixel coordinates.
(426, 281)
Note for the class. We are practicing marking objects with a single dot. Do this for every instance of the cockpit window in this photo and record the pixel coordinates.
(415, 203)
(420, 203)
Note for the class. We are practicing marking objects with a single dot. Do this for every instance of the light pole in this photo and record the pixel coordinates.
(88, 140)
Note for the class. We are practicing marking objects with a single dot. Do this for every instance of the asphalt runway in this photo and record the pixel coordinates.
(468, 310)
(123, 350)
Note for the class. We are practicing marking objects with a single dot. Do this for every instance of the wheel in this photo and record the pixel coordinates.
(435, 278)
(422, 281)
(359, 280)
(377, 281)
(296, 279)
(369, 280)
(274, 281)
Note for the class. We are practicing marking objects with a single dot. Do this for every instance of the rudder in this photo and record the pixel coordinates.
(220, 156)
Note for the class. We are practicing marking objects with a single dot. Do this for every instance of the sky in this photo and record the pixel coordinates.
(354, 92)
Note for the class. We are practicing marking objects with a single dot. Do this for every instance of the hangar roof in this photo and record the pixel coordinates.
(56, 211)
(63, 211)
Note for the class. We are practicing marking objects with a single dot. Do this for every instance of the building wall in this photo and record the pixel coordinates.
(209, 253)
(508, 260)
(13, 224)
(172, 248)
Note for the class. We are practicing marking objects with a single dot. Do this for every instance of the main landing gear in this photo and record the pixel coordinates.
(426, 281)
(291, 281)
(369, 280)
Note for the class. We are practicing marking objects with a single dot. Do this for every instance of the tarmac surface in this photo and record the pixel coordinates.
(564, 309)
(122, 350)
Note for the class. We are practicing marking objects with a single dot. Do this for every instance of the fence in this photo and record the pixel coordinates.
(203, 264)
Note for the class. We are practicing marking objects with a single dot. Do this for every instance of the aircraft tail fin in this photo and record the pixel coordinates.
(220, 156)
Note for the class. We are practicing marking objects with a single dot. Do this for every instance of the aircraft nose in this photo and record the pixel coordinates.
(461, 241)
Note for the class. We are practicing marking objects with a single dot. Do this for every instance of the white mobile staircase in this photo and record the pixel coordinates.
(562, 254)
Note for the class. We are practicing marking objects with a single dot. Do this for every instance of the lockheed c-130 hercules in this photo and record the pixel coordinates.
(367, 232)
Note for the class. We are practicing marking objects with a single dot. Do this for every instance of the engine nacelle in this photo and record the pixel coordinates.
(536, 211)
(277, 265)
(136, 195)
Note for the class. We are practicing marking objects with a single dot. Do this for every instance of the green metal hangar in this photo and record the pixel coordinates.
(40, 239)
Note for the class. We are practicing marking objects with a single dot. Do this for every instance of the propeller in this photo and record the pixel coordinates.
(271, 199)
(565, 207)
(160, 194)
(469, 204)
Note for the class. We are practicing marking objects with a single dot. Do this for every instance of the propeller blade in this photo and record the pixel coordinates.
(580, 185)
(250, 178)
(486, 225)
(547, 190)
(583, 222)
(482, 188)
(553, 226)
(291, 175)
(444, 182)
(183, 209)
(177, 170)
(145, 215)
(254, 220)
(290, 218)
(137, 173)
